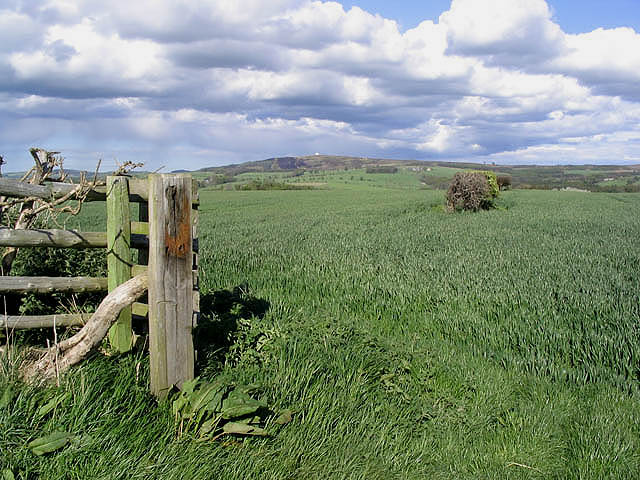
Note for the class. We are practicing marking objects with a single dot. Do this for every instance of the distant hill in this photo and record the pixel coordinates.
(314, 162)
(432, 174)
(606, 178)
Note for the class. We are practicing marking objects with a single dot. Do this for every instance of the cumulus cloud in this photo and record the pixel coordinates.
(219, 81)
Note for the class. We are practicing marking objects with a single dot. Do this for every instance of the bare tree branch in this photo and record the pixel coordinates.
(126, 167)
(29, 208)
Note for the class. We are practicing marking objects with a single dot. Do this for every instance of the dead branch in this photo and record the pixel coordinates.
(42, 169)
(69, 352)
(30, 208)
(126, 168)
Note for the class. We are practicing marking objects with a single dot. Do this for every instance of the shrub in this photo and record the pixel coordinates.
(63, 262)
(472, 191)
(271, 185)
(382, 169)
(492, 181)
(504, 182)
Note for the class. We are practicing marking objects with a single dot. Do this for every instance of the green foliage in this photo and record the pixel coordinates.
(271, 185)
(381, 169)
(407, 345)
(50, 443)
(209, 409)
(492, 181)
(62, 262)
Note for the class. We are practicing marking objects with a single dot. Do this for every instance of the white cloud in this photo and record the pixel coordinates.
(231, 80)
(506, 29)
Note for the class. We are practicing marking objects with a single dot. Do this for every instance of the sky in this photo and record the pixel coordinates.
(186, 84)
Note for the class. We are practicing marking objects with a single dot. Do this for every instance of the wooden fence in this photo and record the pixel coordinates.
(165, 236)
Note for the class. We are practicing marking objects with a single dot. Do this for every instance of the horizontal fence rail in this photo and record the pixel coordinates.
(18, 322)
(138, 190)
(57, 238)
(52, 284)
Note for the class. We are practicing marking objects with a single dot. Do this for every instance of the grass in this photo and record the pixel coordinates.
(410, 343)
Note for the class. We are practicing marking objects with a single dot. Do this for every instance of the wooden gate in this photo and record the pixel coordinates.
(165, 236)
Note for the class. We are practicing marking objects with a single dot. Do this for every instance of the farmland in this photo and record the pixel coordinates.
(408, 342)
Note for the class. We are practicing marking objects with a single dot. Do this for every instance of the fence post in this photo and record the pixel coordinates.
(119, 255)
(170, 282)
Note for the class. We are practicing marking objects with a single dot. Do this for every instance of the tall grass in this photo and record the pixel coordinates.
(410, 343)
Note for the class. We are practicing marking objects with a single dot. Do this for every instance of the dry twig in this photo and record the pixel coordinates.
(30, 208)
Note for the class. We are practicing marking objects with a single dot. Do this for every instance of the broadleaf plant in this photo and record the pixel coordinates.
(213, 409)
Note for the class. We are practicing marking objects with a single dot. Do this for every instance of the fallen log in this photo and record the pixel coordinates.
(69, 352)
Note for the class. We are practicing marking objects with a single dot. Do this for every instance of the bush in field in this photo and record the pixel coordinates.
(382, 169)
(494, 188)
(271, 185)
(472, 191)
(504, 182)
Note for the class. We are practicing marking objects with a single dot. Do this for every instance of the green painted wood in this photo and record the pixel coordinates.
(141, 228)
(119, 259)
(140, 309)
(170, 282)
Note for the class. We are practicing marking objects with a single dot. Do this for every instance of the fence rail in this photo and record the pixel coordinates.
(15, 284)
(21, 322)
(165, 235)
(57, 238)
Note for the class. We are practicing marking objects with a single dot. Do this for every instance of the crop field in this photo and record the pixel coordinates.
(409, 343)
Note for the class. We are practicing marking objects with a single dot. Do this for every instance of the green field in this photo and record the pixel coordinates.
(410, 343)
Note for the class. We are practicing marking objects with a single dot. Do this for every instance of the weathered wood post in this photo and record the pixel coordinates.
(170, 282)
(119, 259)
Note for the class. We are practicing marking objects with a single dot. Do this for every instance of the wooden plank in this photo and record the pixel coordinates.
(55, 238)
(141, 228)
(10, 284)
(140, 309)
(170, 282)
(138, 191)
(138, 269)
(119, 256)
(195, 196)
(50, 191)
(22, 322)
(52, 238)
(196, 308)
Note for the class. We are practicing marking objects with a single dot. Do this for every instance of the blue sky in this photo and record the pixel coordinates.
(197, 83)
(574, 16)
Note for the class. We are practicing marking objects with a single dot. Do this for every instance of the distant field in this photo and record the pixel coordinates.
(411, 343)
(435, 174)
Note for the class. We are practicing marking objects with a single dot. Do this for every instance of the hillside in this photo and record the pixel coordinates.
(437, 174)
